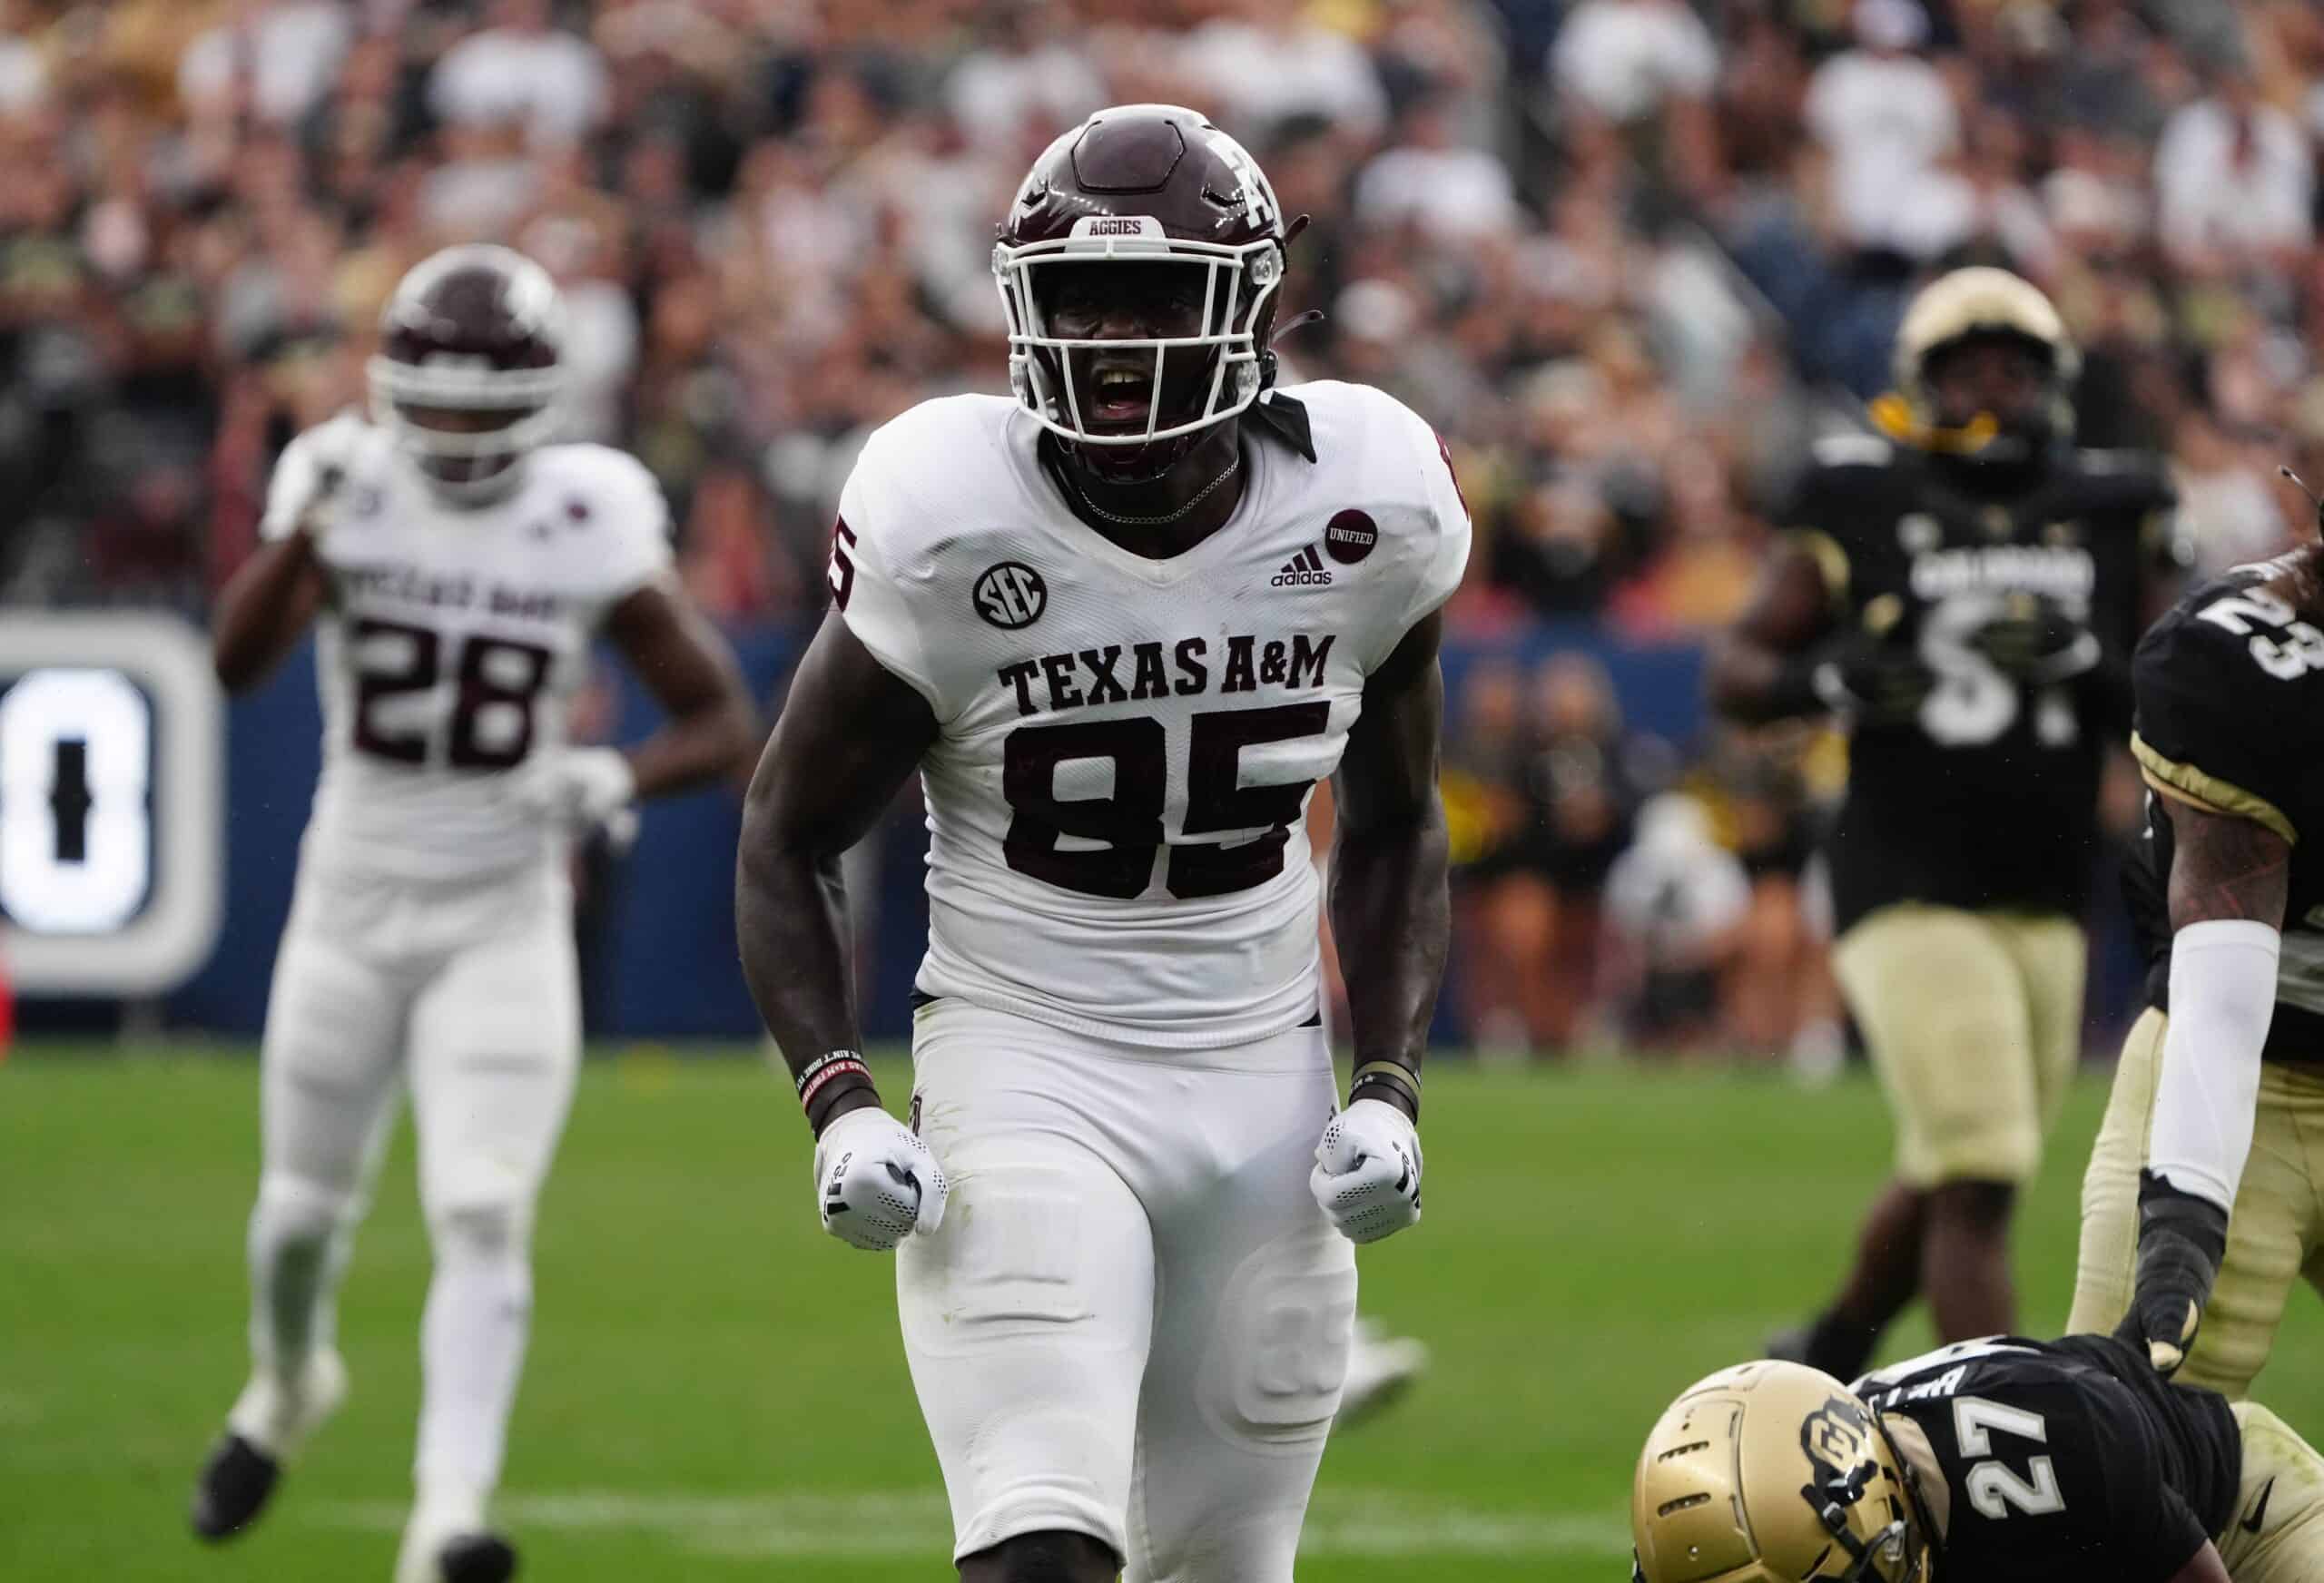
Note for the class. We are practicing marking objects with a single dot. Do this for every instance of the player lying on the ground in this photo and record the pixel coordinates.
(1999, 1461)
(2218, 1095)
(458, 569)
(1121, 626)
(1963, 590)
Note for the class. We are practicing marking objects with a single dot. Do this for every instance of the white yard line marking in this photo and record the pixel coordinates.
(916, 1522)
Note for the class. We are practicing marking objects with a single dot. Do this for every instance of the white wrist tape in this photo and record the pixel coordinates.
(2223, 997)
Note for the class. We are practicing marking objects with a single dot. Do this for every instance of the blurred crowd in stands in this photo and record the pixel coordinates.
(1629, 256)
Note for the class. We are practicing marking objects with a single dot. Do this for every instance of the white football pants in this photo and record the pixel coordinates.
(1134, 1322)
(471, 994)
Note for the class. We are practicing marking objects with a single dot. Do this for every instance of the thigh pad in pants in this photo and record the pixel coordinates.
(331, 1061)
(495, 1043)
(1025, 1320)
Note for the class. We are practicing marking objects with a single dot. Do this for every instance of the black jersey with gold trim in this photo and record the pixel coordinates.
(2038, 1460)
(2230, 718)
(1987, 796)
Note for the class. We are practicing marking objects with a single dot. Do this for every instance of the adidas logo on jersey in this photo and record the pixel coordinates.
(1304, 568)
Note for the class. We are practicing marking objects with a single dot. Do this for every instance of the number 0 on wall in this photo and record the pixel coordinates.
(76, 750)
(111, 837)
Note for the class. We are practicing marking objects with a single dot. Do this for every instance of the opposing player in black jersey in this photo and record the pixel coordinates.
(2219, 1100)
(1963, 590)
(1998, 1460)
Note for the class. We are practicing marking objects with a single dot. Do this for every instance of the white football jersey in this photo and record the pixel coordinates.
(1117, 802)
(453, 641)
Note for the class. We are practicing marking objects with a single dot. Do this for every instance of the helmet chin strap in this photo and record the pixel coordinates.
(1869, 1560)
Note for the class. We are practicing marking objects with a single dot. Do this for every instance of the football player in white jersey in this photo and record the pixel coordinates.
(1121, 624)
(458, 569)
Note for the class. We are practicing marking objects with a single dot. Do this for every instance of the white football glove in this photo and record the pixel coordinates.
(585, 787)
(875, 1182)
(314, 515)
(304, 491)
(1368, 1171)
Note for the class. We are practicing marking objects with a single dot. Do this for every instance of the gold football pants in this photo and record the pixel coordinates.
(1973, 1020)
(2276, 1534)
(2275, 1236)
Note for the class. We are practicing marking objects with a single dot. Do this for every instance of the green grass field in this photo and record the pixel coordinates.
(717, 1390)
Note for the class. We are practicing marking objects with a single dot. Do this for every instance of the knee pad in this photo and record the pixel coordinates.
(480, 1229)
(297, 1212)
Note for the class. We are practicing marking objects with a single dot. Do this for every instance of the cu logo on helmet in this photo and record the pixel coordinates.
(1837, 1439)
(1011, 596)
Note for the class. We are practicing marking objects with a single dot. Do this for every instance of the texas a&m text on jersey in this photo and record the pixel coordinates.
(1122, 736)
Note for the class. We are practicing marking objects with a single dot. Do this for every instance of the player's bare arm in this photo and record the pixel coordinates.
(1391, 907)
(265, 609)
(1392, 917)
(1759, 668)
(2225, 867)
(690, 671)
(692, 674)
(851, 734)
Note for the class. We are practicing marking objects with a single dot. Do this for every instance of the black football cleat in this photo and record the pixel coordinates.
(479, 1558)
(233, 1488)
(1790, 1344)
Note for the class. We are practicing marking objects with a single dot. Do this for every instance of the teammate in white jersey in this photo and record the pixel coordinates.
(459, 570)
(1121, 626)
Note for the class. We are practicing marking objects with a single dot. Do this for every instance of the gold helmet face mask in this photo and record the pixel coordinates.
(1773, 1473)
(1952, 309)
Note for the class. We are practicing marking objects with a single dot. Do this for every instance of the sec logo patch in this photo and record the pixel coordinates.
(1349, 536)
(1011, 596)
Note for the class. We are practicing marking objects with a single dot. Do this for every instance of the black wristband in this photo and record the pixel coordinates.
(805, 1079)
(837, 1087)
(2165, 1212)
(1392, 1076)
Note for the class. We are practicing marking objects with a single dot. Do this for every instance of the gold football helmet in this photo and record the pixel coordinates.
(1773, 1473)
(1949, 309)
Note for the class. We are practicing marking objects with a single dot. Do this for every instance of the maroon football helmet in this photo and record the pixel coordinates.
(468, 370)
(1150, 190)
